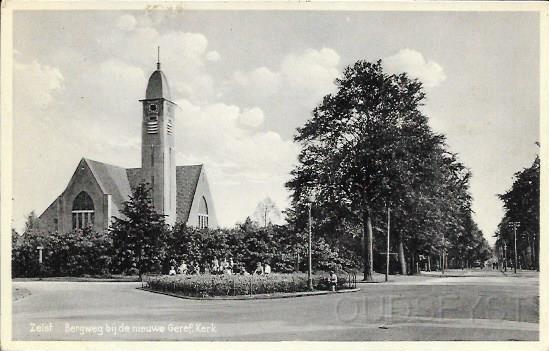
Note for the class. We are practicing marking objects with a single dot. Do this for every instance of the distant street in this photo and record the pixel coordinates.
(466, 305)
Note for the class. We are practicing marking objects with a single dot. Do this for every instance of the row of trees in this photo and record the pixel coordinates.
(521, 204)
(368, 148)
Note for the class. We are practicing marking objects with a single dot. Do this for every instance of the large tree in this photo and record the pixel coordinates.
(364, 148)
(521, 203)
(140, 235)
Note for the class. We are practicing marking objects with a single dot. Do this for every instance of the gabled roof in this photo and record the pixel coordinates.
(186, 182)
(119, 182)
(111, 179)
(134, 176)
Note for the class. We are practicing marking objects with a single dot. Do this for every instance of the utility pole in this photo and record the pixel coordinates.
(309, 271)
(309, 279)
(515, 225)
(388, 242)
(505, 256)
(443, 247)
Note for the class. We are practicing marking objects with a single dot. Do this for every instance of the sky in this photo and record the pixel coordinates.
(245, 80)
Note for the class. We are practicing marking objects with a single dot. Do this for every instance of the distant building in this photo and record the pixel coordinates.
(97, 190)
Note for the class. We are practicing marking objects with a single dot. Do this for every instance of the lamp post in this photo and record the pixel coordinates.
(515, 225)
(310, 265)
(505, 256)
(443, 247)
(388, 243)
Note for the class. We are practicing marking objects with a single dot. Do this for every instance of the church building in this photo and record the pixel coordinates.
(97, 190)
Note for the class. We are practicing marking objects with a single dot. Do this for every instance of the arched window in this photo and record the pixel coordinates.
(203, 213)
(82, 211)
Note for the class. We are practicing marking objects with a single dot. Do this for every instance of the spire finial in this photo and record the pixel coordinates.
(158, 58)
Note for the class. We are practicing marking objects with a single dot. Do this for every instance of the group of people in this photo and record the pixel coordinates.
(217, 267)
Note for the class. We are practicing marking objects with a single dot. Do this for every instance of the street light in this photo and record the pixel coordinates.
(515, 225)
(505, 256)
(388, 243)
(311, 200)
(443, 249)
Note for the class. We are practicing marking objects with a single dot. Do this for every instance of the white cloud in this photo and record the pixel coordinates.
(36, 84)
(252, 117)
(304, 77)
(312, 71)
(414, 63)
(213, 56)
(126, 22)
(235, 156)
(260, 82)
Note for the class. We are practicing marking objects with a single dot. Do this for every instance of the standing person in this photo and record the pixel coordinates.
(267, 269)
(333, 280)
(224, 264)
(207, 269)
(197, 268)
(231, 263)
(215, 266)
(259, 269)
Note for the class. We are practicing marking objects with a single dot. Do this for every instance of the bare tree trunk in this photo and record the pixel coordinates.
(401, 256)
(367, 247)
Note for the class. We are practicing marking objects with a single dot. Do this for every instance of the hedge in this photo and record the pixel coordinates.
(84, 252)
(233, 285)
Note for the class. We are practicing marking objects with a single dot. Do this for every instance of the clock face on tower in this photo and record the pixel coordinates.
(153, 108)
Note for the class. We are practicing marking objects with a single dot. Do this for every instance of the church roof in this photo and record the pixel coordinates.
(186, 178)
(158, 86)
(119, 182)
(112, 180)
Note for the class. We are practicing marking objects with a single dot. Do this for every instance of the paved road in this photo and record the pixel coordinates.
(419, 308)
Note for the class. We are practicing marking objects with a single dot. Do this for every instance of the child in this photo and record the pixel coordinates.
(172, 271)
(258, 269)
(183, 268)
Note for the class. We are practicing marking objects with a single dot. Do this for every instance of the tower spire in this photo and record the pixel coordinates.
(158, 58)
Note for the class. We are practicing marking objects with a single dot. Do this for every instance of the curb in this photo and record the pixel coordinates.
(252, 297)
(77, 280)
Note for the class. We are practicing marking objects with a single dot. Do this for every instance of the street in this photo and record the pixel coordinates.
(427, 307)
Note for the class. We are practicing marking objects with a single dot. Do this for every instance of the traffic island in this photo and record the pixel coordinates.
(254, 297)
(243, 287)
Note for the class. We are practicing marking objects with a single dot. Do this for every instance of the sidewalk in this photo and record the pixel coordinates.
(449, 273)
(487, 272)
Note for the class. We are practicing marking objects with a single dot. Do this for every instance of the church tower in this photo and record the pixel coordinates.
(158, 144)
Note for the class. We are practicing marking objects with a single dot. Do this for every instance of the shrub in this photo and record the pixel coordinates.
(64, 254)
